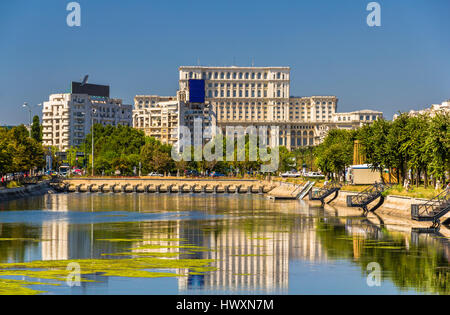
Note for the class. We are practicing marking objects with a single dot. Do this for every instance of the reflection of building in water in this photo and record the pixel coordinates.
(255, 261)
(55, 234)
(165, 235)
(56, 202)
(252, 261)
(254, 257)
(55, 244)
(304, 243)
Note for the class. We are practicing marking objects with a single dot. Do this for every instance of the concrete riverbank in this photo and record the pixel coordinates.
(41, 188)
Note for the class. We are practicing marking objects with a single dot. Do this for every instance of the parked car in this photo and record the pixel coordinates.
(216, 174)
(291, 174)
(155, 174)
(192, 173)
(77, 171)
(315, 175)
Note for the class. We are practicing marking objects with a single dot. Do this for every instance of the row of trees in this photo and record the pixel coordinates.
(127, 150)
(418, 143)
(18, 151)
(410, 145)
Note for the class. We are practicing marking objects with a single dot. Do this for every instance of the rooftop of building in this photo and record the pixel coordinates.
(366, 111)
(235, 67)
(314, 96)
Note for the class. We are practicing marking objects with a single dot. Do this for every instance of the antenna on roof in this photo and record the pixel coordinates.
(198, 61)
(86, 77)
(253, 61)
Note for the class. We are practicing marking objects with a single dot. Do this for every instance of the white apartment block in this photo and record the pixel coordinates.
(254, 96)
(444, 107)
(67, 118)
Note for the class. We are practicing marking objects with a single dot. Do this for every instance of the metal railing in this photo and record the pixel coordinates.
(367, 195)
(431, 208)
(325, 191)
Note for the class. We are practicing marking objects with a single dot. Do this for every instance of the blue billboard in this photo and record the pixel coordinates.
(196, 91)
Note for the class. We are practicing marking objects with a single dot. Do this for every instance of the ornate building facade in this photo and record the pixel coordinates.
(255, 96)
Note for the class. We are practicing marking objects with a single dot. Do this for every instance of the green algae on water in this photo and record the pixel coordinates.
(131, 267)
(141, 240)
(18, 287)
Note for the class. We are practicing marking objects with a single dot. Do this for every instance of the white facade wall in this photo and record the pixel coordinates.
(67, 117)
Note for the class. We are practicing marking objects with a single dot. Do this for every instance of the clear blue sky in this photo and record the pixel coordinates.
(136, 46)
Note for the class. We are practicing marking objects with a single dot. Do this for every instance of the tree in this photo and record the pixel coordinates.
(373, 139)
(415, 144)
(115, 148)
(437, 145)
(395, 145)
(287, 160)
(155, 156)
(336, 151)
(161, 162)
(25, 152)
(5, 154)
(36, 129)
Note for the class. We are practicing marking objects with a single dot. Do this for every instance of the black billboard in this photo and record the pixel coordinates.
(90, 89)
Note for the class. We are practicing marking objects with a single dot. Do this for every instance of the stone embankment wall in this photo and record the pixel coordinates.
(25, 191)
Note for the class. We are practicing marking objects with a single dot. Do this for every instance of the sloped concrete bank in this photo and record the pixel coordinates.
(25, 191)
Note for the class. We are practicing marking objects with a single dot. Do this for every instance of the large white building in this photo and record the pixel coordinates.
(67, 118)
(257, 96)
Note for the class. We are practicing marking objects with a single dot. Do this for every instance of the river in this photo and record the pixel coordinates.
(208, 244)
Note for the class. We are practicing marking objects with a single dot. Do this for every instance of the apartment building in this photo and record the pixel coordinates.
(157, 116)
(67, 117)
(444, 107)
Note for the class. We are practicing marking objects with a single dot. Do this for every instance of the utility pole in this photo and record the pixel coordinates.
(25, 105)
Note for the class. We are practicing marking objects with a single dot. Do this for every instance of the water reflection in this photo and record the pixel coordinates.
(258, 246)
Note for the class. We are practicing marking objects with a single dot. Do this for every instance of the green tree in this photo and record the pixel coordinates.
(418, 131)
(336, 152)
(398, 152)
(5, 153)
(36, 129)
(26, 152)
(373, 139)
(437, 145)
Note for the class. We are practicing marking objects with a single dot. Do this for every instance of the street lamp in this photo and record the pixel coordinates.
(25, 105)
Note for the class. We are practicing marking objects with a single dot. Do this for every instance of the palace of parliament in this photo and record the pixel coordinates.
(244, 96)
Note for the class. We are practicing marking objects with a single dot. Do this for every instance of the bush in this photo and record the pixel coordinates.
(12, 184)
